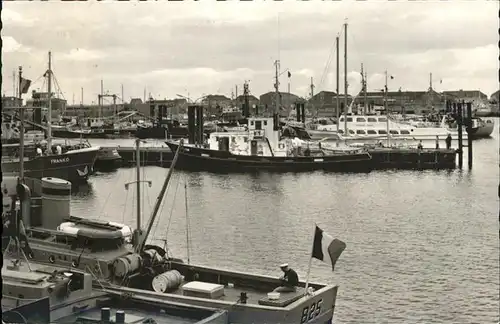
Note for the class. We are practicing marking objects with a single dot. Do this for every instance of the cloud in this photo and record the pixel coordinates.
(10, 45)
(13, 18)
(205, 47)
(81, 54)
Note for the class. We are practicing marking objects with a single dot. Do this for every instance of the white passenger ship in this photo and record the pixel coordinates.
(361, 127)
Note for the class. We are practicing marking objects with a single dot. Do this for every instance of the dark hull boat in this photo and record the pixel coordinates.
(201, 159)
(263, 146)
(74, 166)
(66, 133)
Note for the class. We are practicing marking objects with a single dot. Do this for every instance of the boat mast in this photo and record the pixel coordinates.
(363, 88)
(386, 110)
(138, 182)
(142, 238)
(337, 77)
(345, 79)
(21, 128)
(276, 86)
(49, 105)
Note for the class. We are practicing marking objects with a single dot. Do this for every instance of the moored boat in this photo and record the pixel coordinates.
(261, 148)
(148, 272)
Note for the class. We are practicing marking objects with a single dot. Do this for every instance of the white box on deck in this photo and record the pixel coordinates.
(203, 290)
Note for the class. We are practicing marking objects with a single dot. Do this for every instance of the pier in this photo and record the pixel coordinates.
(383, 158)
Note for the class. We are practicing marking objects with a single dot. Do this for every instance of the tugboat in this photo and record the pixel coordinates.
(148, 272)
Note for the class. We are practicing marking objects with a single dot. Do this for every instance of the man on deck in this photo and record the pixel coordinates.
(289, 281)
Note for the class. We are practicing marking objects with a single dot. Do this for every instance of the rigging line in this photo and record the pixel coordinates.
(172, 209)
(164, 200)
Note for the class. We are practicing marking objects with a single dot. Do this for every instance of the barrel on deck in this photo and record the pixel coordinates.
(56, 198)
(166, 281)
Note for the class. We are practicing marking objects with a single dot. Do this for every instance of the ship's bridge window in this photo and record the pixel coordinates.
(382, 119)
(394, 132)
(351, 131)
(251, 123)
(340, 120)
(361, 132)
(265, 122)
(405, 132)
(381, 131)
(349, 119)
(371, 132)
(341, 131)
(245, 139)
(360, 120)
(372, 120)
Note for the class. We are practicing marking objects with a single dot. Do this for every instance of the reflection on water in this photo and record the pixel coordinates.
(422, 247)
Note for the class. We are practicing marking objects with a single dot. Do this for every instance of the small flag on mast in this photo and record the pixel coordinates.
(25, 85)
(326, 248)
(289, 74)
(392, 77)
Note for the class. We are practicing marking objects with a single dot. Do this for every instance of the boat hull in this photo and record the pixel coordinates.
(74, 166)
(70, 134)
(484, 131)
(201, 159)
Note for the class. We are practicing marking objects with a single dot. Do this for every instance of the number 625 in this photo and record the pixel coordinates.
(310, 312)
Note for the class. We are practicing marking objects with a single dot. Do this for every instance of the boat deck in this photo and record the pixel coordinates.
(254, 296)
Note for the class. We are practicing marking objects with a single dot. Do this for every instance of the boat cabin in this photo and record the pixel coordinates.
(260, 139)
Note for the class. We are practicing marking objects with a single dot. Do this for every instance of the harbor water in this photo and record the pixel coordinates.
(422, 247)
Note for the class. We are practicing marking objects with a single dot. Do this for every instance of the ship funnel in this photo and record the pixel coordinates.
(56, 197)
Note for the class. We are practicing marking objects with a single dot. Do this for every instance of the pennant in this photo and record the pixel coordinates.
(25, 85)
(289, 74)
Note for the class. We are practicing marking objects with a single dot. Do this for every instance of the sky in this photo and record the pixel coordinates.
(191, 49)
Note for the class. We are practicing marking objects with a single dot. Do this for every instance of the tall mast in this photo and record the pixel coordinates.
(82, 98)
(276, 86)
(100, 98)
(386, 110)
(14, 83)
(21, 128)
(312, 87)
(49, 105)
(138, 183)
(123, 96)
(366, 96)
(345, 79)
(337, 77)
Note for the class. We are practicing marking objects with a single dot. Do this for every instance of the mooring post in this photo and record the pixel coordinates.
(469, 134)
(459, 129)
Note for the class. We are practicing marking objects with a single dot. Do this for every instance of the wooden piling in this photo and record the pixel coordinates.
(469, 134)
(458, 108)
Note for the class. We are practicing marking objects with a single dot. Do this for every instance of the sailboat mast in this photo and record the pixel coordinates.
(338, 82)
(21, 128)
(49, 105)
(14, 83)
(345, 78)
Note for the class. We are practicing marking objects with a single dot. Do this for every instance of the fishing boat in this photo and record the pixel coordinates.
(73, 164)
(122, 263)
(39, 293)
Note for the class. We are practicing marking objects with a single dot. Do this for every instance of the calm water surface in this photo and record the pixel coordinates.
(422, 247)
